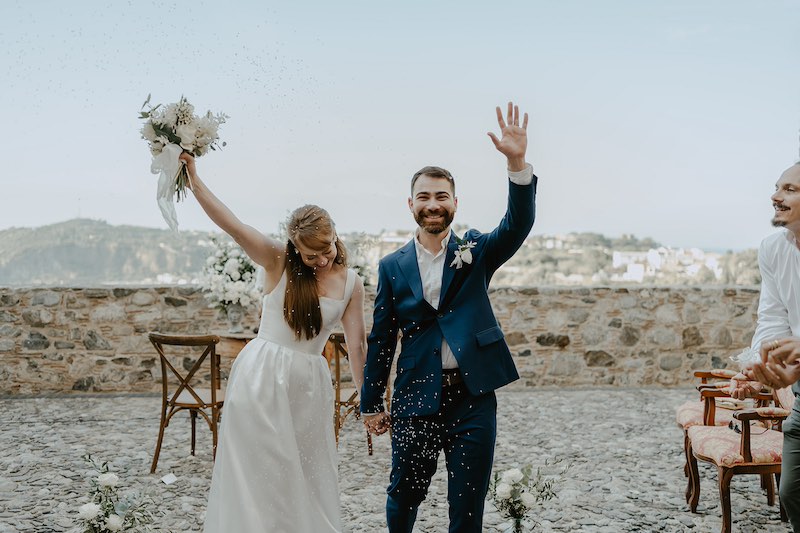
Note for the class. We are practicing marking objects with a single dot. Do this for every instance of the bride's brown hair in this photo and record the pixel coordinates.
(311, 226)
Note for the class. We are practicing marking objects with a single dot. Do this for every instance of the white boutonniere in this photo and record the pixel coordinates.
(463, 254)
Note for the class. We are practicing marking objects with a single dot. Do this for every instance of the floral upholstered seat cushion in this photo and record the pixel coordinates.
(772, 411)
(723, 445)
(691, 414)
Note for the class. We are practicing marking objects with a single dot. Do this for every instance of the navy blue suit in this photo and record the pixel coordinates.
(427, 418)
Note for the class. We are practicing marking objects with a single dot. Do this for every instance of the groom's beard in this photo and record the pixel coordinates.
(437, 227)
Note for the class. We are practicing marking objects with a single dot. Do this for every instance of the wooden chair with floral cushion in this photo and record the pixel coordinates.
(183, 385)
(698, 412)
(740, 449)
(718, 410)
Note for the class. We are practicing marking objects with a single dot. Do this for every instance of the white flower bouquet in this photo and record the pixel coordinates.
(169, 131)
(359, 247)
(518, 490)
(229, 277)
(107, 512)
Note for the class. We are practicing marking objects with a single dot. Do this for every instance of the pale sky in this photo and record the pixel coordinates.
(669, 120)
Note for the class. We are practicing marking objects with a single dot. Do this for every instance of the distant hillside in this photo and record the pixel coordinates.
(91, 252)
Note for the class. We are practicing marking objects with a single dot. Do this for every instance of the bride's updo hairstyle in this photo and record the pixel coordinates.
(312, 227)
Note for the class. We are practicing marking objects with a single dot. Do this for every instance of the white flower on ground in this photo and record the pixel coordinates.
(503, 491)
(114, 523)
(89, 511)
(512, 476)
(528, 499)
(107, 480)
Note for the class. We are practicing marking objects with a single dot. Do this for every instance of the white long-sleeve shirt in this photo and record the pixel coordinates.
(431, 268)
(779, 302)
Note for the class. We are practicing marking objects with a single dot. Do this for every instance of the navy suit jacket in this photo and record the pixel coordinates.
(464, 317)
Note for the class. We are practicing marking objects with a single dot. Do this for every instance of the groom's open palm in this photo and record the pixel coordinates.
(514, 138)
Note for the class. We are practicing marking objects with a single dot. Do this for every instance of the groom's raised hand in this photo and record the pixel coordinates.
(514, 138)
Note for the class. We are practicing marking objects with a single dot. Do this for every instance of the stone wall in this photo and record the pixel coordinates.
(56, 340)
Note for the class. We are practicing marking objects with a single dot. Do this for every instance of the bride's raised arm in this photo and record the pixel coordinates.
(262, 249)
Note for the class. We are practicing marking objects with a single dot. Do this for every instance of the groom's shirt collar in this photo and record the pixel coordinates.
(420, 249)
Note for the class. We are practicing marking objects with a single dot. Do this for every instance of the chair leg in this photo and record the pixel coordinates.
(161, 427)
(336, 427)
(369, 443)
(194, 426)
(687, 452)
(766, 482)
(214, 431)
(694, 478)
(725, 475)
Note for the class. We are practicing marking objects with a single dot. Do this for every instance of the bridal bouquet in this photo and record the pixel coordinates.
(107, 511)
(519, 490)
(169, 131)
(229, 277)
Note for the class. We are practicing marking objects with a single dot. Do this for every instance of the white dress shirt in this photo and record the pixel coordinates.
(431, 268)
(779, 302)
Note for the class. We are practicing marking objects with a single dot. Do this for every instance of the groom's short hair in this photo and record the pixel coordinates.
(434, 172)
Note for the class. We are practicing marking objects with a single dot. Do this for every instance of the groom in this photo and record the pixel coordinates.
(453, 356)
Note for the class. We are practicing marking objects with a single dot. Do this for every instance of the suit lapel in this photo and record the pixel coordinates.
(449, 272)
(410, 268)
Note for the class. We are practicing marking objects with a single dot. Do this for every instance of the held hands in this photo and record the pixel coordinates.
(514, 138)
(378, 424)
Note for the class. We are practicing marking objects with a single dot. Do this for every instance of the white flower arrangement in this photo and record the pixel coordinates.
(107, 512)
(359, 247)
(518, 490)
(169, 131)
(463, 253)
(229, 277)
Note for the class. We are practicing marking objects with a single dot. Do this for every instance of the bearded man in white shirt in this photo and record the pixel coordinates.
(777, 336)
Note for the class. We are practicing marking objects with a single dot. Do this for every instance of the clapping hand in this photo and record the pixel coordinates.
(780, 363)
(514, 138)
(743, 386)
(782, 352)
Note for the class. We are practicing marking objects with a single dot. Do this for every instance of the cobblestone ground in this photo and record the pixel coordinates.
(623, 447)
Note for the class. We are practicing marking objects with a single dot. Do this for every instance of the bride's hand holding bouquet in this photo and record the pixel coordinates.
(171, 131)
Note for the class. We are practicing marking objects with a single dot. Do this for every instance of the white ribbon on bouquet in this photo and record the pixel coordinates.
(168, 164)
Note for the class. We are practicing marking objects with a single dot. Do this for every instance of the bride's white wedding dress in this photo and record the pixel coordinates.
(276, 462)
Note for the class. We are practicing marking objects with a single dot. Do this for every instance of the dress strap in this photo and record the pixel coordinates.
(349, 285)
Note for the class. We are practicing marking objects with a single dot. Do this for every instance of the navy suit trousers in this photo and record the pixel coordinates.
(465, 427)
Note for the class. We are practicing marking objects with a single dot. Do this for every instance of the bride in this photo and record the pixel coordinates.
(275, 469)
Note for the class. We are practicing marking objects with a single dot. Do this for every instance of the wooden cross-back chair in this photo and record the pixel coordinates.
(183, 388)
(345, 398)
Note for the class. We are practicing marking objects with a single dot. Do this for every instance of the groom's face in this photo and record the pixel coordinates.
(786, 200)
(433, 204)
